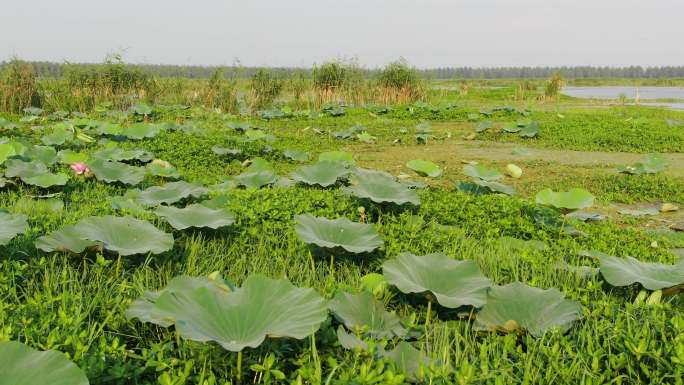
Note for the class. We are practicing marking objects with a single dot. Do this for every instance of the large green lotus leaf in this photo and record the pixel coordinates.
(113, 171)
(195, 215)
(516, 306)
(125, 235)
(338, 156)
(121, 155)
(45, 154)
(323, 173)
(481, 187)
(481, 172)
(652, 276)
(411, 361)
(349, 340)
(19, 168)
(170, 193)
(453, 283)
(21, 365)
(424, 167)
(365, 313)
(261, 308)
(382, 187)
(113, 129)
(574, 199)
(296, 154)
(11, 225)
(71, 157)
(60, 135)
(341, 232)
(68, 238)
(10, 149)
(46, 180)
(139, 131)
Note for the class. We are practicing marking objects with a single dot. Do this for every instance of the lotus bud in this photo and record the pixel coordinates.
(80, 169)
(513, 171)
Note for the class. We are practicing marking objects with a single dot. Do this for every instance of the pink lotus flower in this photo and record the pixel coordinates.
(80, 168)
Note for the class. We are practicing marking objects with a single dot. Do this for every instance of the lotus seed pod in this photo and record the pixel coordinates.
(513, 171)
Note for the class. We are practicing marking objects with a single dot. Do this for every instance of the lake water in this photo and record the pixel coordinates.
(644, 93)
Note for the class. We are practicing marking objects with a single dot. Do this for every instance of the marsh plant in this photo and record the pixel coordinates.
(18, 88)
(400, 83)
(265, 87)
(554, 86)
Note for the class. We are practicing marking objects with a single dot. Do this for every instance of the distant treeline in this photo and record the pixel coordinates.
(56, 70)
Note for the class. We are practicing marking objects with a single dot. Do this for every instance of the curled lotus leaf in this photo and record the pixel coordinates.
(235, 319)
(68, 238)
(323, 173)
(573, 199)
(341, 232)
(424, 168)
(113, 171)
(453, 283)
(363, 312)
(22, 365)
(195, 215)
(649, 164)
(481, 187)
(652, 276)
(516, 307)
(11, 225)
(381, 187)
(170, 193)
(481, 172)
(125, 235)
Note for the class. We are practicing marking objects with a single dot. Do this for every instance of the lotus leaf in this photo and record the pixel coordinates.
(22, 365)
(44, 154)
(60, 135)
(323, 173)
(46, 180)
(649, 164)
(256, 179)
(424, 167)
(139, 131)
(484, 126)
(382, 187)
(11, 225)
(574, 199)
(453, 283)
(195, 215)
(125, 235)
(141, 109)
(10, 149)
(408, 359)
(479, 187)
(338, 156)
(652, 276)
(68, 238)
(481, 172)
(366, 137)
(225, 151)
(122, 155)
(350, 341)
(163, 169)
(530, 130)
(19, 168)
(170, 193)
(364, 313)
(296, 154)
(204, 311)
(351, 236)
(516, 306)
(112, 171)
(511, 127)
(71, 157)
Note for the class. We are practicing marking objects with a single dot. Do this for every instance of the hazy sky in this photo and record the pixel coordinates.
(429, 33)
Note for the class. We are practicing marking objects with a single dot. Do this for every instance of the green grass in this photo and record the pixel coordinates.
(76, 303)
